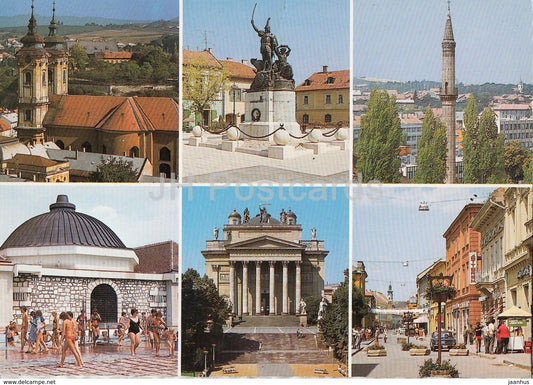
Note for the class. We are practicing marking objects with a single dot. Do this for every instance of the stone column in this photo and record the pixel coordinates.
(245, 288)
(285, 287)
(298, 297)
(257, 287)
(271, 288)
(232, 285)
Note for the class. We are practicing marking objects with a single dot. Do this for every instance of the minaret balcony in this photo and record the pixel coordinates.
(448, 92)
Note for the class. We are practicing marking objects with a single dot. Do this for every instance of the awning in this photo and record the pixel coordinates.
(515, 312)
(423, 319)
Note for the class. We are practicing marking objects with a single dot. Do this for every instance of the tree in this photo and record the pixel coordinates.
(483, 147)
(114, 170)
(334, 324)
(379, 140)
(203, 315)
(517, 157)
(78, 57)
(432, 155)
(202, 84)
(312, 305)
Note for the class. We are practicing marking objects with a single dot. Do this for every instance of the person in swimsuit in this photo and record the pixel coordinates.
(68, 338)
(150, 328)
(23, 328)
(134, 330)
(11, 332)
(32, 335)
(158, 326)
(55, 331)
(76, 333)
(171, 341)
(82, 324)
(41, 325)
(95, 326)
(120, 327)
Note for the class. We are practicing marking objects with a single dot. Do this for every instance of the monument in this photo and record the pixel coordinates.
(271, 99)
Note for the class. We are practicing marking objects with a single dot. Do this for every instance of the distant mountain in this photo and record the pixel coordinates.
(22, 20)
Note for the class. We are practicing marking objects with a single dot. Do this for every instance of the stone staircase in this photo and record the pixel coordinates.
(272, 349)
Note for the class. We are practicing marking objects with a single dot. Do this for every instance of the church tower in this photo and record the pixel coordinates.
(448, 96)
(32, 65)
(58, 61)
(390, 294)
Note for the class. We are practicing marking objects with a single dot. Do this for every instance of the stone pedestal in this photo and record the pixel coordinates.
(282, 152)
(230, 145)
(196, 141)
(266, 110)
(302, 320)
(339, 143)
(318, 148)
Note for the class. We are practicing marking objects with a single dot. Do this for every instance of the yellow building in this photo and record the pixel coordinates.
(38, 169)
(241, 76)
(323, 99)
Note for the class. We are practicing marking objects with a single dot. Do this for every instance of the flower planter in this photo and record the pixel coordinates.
(401, 340)
(419, 352)
(441, 373)
(458, 352)
(376, 353)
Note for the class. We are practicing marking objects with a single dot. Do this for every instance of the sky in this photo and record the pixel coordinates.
(317, 31)
(205, 208)
(113, 9)
(389, 230)
(138, 214)
(401, 39)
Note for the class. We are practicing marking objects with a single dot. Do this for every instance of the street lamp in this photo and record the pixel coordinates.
(214, 346)
(440, 296)
(205, 361)
(234, 88)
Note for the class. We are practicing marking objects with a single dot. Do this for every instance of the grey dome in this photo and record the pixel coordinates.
(63, 226)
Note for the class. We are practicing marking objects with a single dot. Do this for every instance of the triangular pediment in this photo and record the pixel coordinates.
(265, 242)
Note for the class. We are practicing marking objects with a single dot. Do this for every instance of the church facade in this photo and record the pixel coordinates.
(263, 266)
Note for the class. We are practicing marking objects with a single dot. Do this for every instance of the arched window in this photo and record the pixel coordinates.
(134, 152)
(60, 144)
(340, 100)
(164, 154)
(27, 78)
(87, 147)
(327, 118)
(305, 118)
(164, 168)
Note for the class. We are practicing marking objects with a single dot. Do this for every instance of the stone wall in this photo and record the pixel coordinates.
(59, 294)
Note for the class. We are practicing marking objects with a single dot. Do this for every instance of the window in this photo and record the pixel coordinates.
(327, 118)
(307, 82)
(328, 99)
(27, 78)
(306, 99)
(64, 76)
(330, 80)
(340, 99)
(86, 147)
(44, 78)
(27, 115)
(134, 152)
(305, 119)
(20, 296)
(164, 154)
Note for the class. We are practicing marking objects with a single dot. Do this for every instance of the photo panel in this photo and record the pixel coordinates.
(265, 282)
(442, 282)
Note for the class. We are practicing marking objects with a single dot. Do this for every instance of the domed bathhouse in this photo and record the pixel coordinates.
(66, 260)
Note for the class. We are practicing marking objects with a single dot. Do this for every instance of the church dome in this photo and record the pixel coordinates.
(63, 226)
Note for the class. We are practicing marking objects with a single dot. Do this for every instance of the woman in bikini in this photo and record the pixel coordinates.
(134, 330)
(11, 332)
(171, 341)
(95, 326)
(158, 325)
(68, 338)
(23, 328)
(55, 331)
(41, 325)
(120, 327)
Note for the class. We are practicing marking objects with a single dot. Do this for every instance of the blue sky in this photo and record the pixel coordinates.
(317, 31)
(205, 208)
(389, 230)
(113, 9)
(134, 212)
(401, 39)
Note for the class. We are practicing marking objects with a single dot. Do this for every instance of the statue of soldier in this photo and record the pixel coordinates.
(269, 44)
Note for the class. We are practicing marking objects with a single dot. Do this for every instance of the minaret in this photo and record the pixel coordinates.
(32, 65)
(58, 62)
(448, 96)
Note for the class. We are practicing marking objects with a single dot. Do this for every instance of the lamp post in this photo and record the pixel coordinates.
(234, 88)
(205, 361)
(214, 346)
(439, 297)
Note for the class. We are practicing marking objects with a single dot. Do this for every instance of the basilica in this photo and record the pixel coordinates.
(262, 266)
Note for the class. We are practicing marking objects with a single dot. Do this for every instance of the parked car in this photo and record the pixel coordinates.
(446, 340)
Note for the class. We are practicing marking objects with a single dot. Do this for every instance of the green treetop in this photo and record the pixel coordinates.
(379, 140)
(431, 158)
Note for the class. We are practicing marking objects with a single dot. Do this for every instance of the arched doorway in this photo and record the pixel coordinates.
(86, 147)
(164, 168)
(104, 301)
(134, 152)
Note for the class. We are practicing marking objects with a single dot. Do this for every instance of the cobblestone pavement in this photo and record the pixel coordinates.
(399, 364)
(104, 360)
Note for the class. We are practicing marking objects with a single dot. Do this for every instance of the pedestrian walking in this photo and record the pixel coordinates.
(55, 330)
(465, 335)
(32, 335)
(478, 331)
(23, 328)
(503, 331)
(133, 326)
(486, 337)
(68, 336)
(95, 326)
(492, 336)
(82, 325)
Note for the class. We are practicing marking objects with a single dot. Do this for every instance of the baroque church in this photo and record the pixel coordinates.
(136, 127)
(66, 260)
(263, 266)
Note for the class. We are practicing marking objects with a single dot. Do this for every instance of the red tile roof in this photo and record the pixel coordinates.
(203, 58)
(238, 70)
(109, 113)
(318, 81)
(33, 160)
(508, 107)
(157, 258)
(121, 55)
(4, 126)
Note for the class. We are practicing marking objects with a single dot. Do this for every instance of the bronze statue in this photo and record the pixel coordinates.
(269, 43)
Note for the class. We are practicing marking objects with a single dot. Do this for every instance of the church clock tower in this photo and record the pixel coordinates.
(58, 61)
(32, 65)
